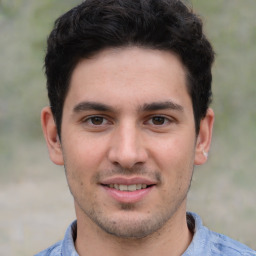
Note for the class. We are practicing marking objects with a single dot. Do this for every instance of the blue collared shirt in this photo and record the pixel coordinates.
(204, 243)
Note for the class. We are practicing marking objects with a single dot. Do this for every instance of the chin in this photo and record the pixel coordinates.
(131, 228)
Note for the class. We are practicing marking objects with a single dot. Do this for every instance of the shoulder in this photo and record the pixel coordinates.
(209, 243)
(66, 247)
(54, 250)
(223, 245)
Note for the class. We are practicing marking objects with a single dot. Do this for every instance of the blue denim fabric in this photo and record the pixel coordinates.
(204, 243)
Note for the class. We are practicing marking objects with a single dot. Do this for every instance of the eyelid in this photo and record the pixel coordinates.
(88, 120)
(168, 119)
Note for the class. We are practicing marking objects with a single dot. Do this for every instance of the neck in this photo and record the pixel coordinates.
(172, 240)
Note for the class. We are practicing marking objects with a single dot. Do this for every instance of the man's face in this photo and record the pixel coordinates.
(128, 140)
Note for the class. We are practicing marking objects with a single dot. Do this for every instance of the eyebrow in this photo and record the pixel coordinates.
(87, 105)
(154, 106)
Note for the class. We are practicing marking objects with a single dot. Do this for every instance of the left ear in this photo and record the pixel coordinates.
(204, 138)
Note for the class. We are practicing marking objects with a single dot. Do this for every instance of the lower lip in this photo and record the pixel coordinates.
(128, 197)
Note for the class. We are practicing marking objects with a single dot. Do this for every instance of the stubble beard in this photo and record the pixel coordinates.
(127, 226)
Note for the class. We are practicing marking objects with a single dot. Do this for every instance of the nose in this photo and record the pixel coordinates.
(127, 148)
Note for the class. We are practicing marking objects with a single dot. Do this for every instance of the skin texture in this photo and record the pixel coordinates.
(128, 118)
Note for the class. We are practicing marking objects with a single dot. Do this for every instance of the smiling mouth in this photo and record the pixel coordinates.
(129, 188)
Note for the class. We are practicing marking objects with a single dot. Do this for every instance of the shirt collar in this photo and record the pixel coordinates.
(68, 243)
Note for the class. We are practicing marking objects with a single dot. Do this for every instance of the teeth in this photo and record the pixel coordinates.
(132, 187)
(138, 186)
(122, 187)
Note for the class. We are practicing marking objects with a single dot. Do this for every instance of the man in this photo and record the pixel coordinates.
(129, 84)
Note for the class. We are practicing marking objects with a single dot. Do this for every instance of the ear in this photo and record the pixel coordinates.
(51, 136)
(204, 138)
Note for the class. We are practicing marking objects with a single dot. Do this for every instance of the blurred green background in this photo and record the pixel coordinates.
(35, 203)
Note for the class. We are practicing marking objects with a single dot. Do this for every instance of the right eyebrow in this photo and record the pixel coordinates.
(89, 105)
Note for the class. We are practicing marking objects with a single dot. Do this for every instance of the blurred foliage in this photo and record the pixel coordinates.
(230, 24)
(24, 29)
(24, 26)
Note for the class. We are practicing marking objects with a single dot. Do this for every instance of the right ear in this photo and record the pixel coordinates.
(51, 136)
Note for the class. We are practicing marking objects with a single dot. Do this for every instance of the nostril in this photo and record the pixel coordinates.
(127, 151)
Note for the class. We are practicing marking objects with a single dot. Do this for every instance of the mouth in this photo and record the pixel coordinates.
(127, 188)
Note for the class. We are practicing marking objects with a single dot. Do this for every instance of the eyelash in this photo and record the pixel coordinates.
(150, 120)
(165, 120)
(89, 120)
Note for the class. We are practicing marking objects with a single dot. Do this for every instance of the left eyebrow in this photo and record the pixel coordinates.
(154, 106)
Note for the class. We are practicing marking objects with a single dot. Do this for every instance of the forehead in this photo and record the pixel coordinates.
(129, 75)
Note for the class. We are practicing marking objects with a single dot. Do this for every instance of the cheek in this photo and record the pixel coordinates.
(84, 153)
(175, 161)
(83, 160)
(175, 151)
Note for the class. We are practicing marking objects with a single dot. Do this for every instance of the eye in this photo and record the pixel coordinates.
(159, 120)
(95, 121)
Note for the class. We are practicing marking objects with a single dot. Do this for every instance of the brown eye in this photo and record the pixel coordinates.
(158, 120)
(96, 123)
(97, 120)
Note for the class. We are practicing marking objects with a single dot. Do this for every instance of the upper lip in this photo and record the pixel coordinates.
(128, 181)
